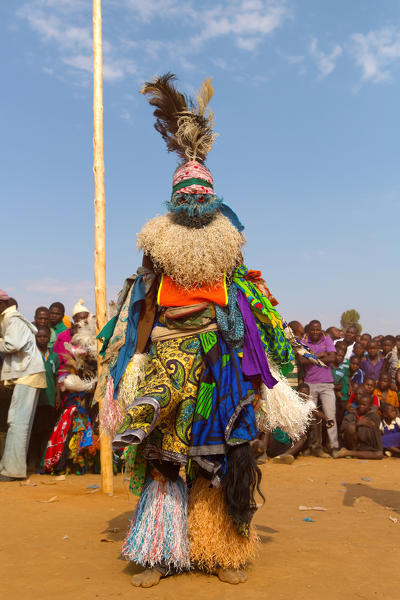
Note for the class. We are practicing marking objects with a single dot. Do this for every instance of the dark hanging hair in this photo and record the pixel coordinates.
(242, 479)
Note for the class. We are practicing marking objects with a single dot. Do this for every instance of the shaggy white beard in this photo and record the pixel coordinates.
(283, 407)
(192, 257)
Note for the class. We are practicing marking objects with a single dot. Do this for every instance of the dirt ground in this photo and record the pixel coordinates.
(68, 548)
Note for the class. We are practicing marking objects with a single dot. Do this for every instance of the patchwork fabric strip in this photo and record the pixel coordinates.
(268, 320)
(224, 414)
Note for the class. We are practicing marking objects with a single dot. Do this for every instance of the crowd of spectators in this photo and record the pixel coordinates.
(355, 391)
(356, 396)
(52, 426)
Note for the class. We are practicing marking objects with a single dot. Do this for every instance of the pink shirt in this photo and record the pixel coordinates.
(62, 353)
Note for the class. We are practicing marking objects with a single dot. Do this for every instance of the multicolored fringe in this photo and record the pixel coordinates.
(113, 410)
(214, 540)
(111, 415)
(158, 530)
(283, 407)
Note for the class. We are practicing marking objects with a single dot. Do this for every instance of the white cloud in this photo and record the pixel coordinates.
(147, 10)
(326, 63)
(44, 291)
(60, 22)
(376, 53)
(249, 21)
(248, 44)
(126, 116)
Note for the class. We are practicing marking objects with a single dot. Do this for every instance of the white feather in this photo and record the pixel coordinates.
(73, 383)
(283, 407)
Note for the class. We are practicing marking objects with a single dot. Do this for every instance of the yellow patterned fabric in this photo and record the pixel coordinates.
(172, 379)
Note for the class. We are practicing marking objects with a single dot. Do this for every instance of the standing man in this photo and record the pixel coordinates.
(350, 339)
(57, 312)
(320, 380)
(23, 367)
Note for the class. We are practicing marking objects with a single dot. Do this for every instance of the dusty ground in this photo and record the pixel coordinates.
(65, 549)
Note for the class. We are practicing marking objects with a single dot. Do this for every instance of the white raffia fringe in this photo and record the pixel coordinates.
(132, 380)
(113, 410)
(283, 407)
(74, 383)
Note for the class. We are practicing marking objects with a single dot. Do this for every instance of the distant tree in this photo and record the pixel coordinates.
(350, 317)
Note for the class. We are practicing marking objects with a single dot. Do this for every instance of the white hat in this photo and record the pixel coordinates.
(79, 307)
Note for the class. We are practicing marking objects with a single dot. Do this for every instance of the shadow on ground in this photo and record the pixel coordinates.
(386, 498)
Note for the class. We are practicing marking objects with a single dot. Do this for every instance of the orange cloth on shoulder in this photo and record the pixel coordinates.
(171, 293)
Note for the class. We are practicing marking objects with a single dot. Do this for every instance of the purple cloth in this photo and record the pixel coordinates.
(391, 440)
(314, 373)
(370, 370)
(254, 362)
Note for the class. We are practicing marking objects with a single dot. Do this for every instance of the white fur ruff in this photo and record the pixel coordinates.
(192, 257)
(85, 337)
(73, 383)
(283, 407)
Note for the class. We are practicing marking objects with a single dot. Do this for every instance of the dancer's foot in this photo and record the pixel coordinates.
(231, 576)
(146, 578)
(342, 453)
(283, 459)
(262, 459)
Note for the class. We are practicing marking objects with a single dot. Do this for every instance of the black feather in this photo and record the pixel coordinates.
(170, 105)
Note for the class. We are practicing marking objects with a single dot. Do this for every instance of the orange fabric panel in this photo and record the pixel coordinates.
(171, 293)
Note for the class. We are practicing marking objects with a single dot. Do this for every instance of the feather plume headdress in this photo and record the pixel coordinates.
(185, 126)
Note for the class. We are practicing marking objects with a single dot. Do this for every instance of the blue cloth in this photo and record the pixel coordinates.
(230, 320)
(224, 414)
(128, 349)
(231, 215)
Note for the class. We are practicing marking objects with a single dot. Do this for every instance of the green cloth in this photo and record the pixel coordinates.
(47, 396)
(268, 321)
(281, 436)
(59, 328)
(341, 374)
(53, 337)
(106, 334)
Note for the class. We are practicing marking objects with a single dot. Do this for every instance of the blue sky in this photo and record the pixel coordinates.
(306, 105)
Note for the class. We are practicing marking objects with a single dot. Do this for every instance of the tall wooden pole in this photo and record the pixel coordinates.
(100, 222)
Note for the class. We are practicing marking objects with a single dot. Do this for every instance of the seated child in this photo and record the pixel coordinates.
(369, 386)
(384, 393)
(340, 373)
(361, 431)
(280, 448)
(276, 444)
(390, 430)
